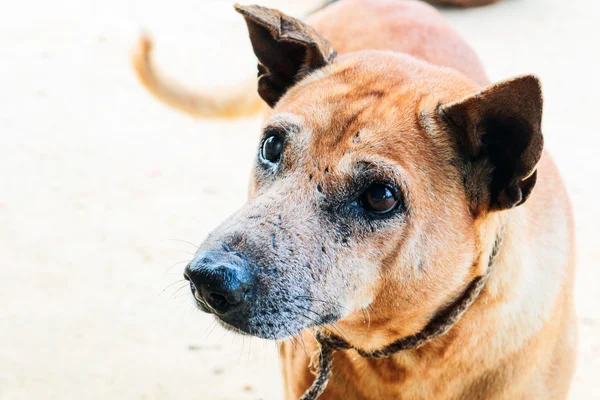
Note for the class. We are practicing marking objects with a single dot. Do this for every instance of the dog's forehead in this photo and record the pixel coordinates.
(371, 102)
(354, 107)
(336, 99)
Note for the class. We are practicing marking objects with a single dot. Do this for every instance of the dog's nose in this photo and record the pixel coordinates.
(219, 280)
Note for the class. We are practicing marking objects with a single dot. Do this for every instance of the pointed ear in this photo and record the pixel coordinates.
(287, 50)
(499, 134)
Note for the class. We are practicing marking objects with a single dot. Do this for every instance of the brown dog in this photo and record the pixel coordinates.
(389, 185)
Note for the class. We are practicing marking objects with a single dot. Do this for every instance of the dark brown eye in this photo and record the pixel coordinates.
(272, 148)
(379, 199)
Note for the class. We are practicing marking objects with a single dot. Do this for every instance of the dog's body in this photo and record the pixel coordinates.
(519, 341)
(465, 161)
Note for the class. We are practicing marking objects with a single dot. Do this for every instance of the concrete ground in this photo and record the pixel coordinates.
(101, 186)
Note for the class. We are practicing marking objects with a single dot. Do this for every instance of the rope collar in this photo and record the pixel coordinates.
(440, 324)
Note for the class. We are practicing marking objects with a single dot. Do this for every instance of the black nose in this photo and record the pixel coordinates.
(219, 280)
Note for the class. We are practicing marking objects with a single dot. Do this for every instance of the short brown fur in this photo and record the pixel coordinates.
(410, 97)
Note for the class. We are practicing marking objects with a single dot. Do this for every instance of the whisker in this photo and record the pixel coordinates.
(249, 347)
(303, 345)
(312, 334)
(175, 292)
(385, 323)
(374, 312)
(333, 325)
(185, 241)
(214, 325)
(226, 331)
(339, 328)
(318, 324)
(278, 351)
(367, 321)
(297, 343)
(177, 263)
(242, 351)
(291, 340)
(177, 281)
(327, 302)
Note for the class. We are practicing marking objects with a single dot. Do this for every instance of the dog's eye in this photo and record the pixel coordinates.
(272, 148)
(379, 199)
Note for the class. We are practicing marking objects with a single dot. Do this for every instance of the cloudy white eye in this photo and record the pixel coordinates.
(272, 148)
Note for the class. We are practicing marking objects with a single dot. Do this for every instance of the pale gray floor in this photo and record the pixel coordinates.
(97, 177)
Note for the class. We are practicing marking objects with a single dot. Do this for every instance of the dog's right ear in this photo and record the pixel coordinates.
(286, 48)
(499, 133)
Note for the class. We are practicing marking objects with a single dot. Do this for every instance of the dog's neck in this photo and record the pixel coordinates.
(442, 321)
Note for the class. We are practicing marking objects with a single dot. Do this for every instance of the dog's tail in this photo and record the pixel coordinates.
(239, 101)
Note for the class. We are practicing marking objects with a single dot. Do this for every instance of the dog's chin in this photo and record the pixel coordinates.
(268, 330)
(266, 324)
(271, 328)
(232, 328)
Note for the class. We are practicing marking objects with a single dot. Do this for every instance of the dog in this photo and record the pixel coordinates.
(404, 220)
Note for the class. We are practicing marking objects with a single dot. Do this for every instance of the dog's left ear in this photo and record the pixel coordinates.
(286, 48)
(499, 134)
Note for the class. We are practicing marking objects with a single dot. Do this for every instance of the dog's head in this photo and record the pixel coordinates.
(371, 176)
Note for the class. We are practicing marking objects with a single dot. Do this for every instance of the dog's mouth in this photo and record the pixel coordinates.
(268, 318)
(200, 303)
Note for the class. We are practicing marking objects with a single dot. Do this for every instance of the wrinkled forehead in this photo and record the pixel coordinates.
(351, 107)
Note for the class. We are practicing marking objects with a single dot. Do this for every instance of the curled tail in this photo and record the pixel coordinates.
(238, 101)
